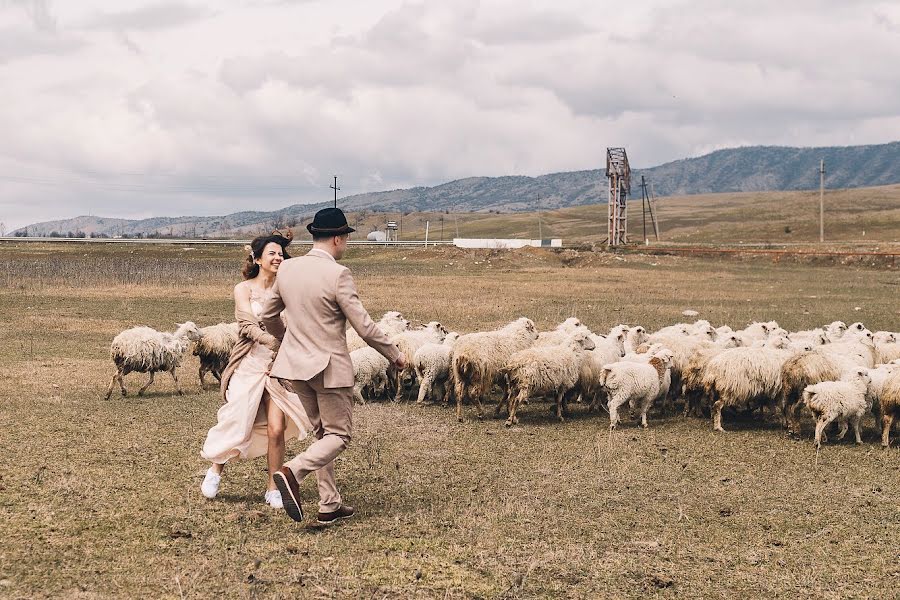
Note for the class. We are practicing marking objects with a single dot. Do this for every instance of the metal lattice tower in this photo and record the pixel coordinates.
(619, 174)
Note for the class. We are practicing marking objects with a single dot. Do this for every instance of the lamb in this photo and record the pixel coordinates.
(544, 370)
(214, 349)
(371, 373)
(890, 406)
(636, 383)
(878, 376)
(841, 400)
(409, 342)
(432, 365)
(391, 323)
(758, 331)
(478, 357)
(743, 377)
(146, 350)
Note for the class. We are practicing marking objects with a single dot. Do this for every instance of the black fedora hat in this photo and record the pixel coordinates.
(329, 221)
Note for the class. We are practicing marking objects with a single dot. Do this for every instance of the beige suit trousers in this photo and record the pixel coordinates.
(330, 411)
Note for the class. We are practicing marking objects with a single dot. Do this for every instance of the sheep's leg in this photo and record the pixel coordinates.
(424, 389)
(513, 405)
(856, 429)
(122, 375)
(399, 381)
(460, 390)
(202, 374)
(821, 424)
(505, 399)
(357, 395)
(175, 379)
(117, 376)
(448, 389)
(843, 430)
(645, 407)
(887, 420)
(613, 407)
(146, 385)
(717, 415)
(559, 406)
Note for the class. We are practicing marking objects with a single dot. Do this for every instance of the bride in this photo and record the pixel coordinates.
(259, 413)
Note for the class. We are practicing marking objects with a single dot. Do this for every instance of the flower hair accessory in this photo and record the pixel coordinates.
(249, 249)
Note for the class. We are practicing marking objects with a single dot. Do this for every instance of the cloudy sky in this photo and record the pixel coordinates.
(137, 108)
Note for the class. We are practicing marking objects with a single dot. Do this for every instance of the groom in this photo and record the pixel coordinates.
(318, 298)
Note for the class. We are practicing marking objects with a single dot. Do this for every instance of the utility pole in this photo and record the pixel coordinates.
(335, 188)
(540, 228)
(442, 228)
(644, 208)
(2, 229)
(822, 201)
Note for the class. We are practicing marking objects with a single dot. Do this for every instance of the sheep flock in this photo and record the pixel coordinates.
(833, 373)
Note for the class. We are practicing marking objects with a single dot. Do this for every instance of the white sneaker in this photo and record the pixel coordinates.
(273, 499)
(210, 485)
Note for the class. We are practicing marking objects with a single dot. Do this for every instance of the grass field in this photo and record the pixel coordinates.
(100, 499)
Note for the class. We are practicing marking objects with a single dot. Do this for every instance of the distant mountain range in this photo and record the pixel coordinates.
(754, 168)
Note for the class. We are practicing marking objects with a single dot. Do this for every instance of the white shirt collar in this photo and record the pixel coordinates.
(321, 253)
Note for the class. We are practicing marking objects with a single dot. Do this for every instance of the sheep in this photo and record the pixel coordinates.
(636, 383)
(634, 338)
(562, 332)
(478, 357)
(214, 349)
(692, 374)
(543, 370)
(886, 346)
(432, 365)
(743, 377)
(391, 323)
(371, 373)
(830, 362)
(409, 342)
(146, 350)
(841, 400)
(835, 330)
(878, 376)
(606, 350)
(758, 331)
(890, 406)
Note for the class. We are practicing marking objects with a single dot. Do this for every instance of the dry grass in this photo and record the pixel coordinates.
(101, 499)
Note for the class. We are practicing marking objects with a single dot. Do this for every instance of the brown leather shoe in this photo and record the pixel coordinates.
(290, 492)
(344, 512)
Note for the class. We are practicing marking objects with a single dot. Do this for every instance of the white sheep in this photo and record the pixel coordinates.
(545, 370)
(391, 323)
(562, 332)
(432, 365)
(635, 383)
(409, 342)
(890, 406)
(214, 349)
(607, 349)
(744, 377)
(634, 338)
(834, 331)
(844, 401)
(371, 373)
(146, 350)
(478, 357)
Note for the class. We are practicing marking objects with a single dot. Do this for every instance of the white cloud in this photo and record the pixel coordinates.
(190, 107)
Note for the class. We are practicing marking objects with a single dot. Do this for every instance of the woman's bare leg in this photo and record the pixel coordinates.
(275, 426)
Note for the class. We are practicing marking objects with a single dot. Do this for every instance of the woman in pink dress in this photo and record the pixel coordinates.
(259, 413)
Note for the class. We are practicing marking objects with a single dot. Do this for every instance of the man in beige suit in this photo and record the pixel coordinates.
(318, 298)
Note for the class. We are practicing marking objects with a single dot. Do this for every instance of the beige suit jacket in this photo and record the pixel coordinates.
(318, 298)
